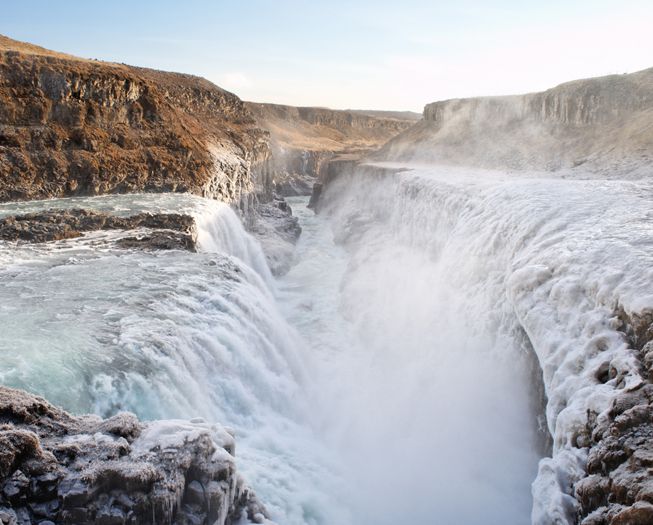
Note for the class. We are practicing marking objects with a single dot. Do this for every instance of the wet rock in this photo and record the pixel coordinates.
(170, 231)
(619, 487)
(48, 509)
(123, 424)
(15, 486)
(639, 514)
(23, 516)
(122, 471)
(73, 515)
(159, 241)
(195, 493)
(7, 516)
(110, 516)
(277, 230)
(591, 492)
(74, 492)
(44, 486)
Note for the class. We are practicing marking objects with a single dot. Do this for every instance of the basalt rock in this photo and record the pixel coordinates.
(159, 240)
(65, 469)
(164, 230)
(277, 230)
(71, 126)
(619, 487)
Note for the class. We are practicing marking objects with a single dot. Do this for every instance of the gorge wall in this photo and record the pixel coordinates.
(70, 126)
(307, 142)
(600, 124)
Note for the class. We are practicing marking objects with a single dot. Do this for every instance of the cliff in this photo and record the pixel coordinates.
(60, 468)
(306, 140)
(602, 124)
(70, 126)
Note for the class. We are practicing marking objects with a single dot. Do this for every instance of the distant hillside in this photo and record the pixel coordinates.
(306, 140)
(400, 115)
(603, 124)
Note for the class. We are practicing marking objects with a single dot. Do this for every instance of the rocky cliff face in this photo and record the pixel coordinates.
(59, 468)
(306, 140)
(602, 124)
(70, 126)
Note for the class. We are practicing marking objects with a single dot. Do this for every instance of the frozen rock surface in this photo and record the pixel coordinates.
(60, 468)
(277, 230)
(619, 485)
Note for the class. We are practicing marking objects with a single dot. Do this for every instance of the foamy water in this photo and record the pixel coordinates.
(168, 334)
(455, 267)
(389, 377)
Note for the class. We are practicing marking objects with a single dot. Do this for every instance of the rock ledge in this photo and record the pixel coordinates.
(165, 230)
(60, 468)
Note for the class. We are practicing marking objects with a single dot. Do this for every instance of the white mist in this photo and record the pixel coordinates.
(426, 404)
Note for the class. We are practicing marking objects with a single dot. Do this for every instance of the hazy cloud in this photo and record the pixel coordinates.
(234, 81)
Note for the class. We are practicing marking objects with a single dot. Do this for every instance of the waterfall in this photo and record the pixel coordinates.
(394, 375)
(168, 334)
(454, 277)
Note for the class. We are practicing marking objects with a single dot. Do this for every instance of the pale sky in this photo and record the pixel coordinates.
(367, 54)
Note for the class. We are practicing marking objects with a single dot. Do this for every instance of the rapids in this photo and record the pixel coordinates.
(394, 375)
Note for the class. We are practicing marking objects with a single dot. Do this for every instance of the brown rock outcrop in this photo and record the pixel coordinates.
(70, 126)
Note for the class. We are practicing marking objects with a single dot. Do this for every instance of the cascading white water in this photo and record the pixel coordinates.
(448, 270)
(169, 334)
(387, 378)
(424, 394)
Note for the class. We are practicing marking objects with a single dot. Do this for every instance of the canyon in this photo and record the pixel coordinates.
(463, 332)
(310, 144)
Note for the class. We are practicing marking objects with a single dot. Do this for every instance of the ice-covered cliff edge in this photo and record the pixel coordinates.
(565, 263)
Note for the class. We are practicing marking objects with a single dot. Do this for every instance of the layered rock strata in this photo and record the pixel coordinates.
(60, 468)
(70, 126)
